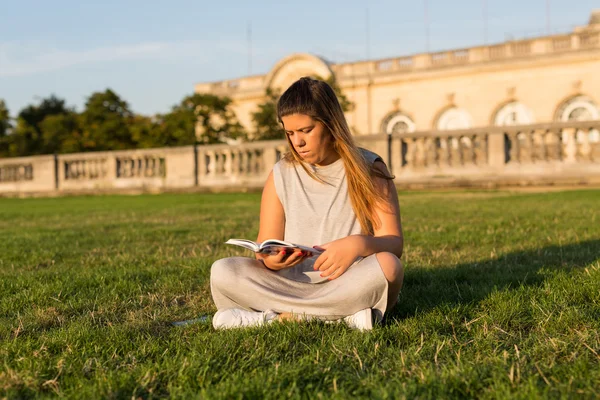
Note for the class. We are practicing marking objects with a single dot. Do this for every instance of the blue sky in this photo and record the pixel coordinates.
(153, 52)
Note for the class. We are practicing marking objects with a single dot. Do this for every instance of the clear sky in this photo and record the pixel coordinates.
(152, 52)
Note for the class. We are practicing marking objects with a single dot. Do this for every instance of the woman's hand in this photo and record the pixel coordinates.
(338, 256)
(283, 259)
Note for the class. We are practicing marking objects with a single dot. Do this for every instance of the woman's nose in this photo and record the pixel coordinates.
(298, 141)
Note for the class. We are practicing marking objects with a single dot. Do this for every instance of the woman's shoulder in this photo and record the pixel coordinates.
(284, 163)
(376, 164)
(369, 156)
(284, 167)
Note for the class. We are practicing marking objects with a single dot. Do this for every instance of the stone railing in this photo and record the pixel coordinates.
(243, 165)
(557, 151)
(546, 153)
(536, 47)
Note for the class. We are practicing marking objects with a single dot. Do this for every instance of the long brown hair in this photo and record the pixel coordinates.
(317, 99)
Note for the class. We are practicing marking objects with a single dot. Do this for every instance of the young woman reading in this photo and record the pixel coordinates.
(328, 193)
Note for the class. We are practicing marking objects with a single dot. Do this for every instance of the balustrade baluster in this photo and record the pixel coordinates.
(235, 163)
(253, 162)
(419, 159)
(443, 154)
(455, 152)
(220, 163)
(260, 161)
(245, 162)
(569, 147)
(583, 144)
(553, 146)
(430, 152)
(468, 153)
(514, 147)
(479, 149)
(539, 147)
(212, 164)
(526, 139)
(410, 152)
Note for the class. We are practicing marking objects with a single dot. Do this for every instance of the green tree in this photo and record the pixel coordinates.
(27, 137)
(205, 118)
(147, 132)
(266, 124)
(105, 122)
(5, 128)
(61, 133)
(5, 124)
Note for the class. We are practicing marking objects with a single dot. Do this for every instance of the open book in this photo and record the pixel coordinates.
(271, 246)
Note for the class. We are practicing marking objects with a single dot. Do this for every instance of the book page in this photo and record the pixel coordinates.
(248, 244)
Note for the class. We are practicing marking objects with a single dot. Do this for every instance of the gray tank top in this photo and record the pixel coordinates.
(315, 213)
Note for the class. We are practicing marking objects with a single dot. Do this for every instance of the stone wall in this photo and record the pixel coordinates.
(555, 153)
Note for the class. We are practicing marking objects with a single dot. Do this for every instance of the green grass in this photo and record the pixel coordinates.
(501, 299)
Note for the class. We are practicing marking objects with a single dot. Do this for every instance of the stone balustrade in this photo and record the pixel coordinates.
(576, 41)
(548, 153)
(512, 49)
(243, 165)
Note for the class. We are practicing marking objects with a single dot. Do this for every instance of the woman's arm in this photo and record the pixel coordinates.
(388, 235)
(272, 216)
(272, 226)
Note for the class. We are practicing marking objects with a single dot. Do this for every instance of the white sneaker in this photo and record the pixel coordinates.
(361, 320)
(238, 318)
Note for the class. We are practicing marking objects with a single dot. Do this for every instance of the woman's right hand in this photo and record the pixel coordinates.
(282, 259)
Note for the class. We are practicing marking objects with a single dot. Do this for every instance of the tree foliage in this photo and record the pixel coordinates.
(27, 137)
(5, 128)
(5, 123)
(105, 122)
(108, 123)
(206, 118)
(266, 125)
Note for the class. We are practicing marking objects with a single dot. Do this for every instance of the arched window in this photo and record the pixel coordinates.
(454, 118)
(579, 108)
(513, 113)
(398, 123)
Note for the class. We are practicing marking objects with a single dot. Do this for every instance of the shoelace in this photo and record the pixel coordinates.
(247, 318)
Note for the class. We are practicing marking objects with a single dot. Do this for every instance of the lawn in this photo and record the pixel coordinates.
(501, 300)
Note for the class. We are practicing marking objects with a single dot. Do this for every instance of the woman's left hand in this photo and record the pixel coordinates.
(338, 256)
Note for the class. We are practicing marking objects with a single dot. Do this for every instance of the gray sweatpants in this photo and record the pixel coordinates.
(239, 282)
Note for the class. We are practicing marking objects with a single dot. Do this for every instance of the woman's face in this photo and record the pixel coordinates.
(310, 139)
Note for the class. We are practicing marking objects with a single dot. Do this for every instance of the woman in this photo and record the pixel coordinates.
(325, 192)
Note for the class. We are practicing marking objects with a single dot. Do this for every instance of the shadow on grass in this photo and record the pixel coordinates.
(426, 288)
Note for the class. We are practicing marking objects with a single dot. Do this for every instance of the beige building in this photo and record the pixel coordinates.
(516, 113)
(551, 78)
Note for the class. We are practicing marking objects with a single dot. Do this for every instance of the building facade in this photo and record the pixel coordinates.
(546, 79)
